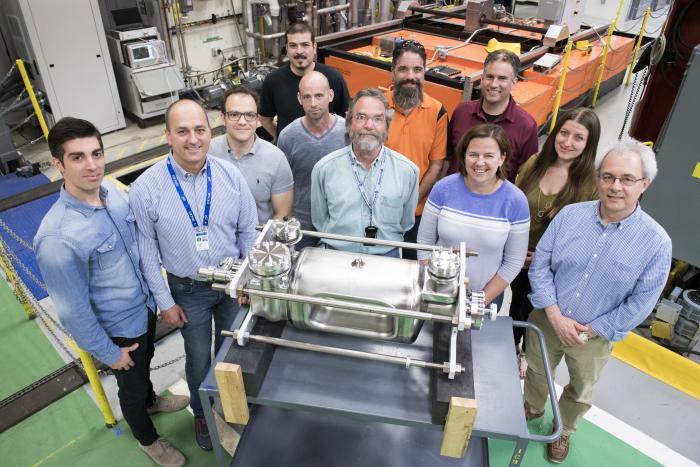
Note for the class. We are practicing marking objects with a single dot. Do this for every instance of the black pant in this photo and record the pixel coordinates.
(520, 306)
(410, 236)
(135, 387)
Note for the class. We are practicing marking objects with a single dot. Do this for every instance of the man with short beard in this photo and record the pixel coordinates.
(365, 189)
(279, 92)
(497, 105)
(419, 126)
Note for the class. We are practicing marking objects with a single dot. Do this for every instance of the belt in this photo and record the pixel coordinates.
(184, 280)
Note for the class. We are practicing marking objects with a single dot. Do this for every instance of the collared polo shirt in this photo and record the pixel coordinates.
(420, 136)
(519, 125)
(264, 168)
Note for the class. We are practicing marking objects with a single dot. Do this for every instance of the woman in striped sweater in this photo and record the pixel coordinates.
(481, 208)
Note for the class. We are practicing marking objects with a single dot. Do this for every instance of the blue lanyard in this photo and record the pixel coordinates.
(183, 198)
(360, 186)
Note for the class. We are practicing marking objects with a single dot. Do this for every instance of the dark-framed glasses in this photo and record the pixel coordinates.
(625, 180)
(235, 116)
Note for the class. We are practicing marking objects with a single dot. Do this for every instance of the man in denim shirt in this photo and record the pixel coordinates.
(87, 254)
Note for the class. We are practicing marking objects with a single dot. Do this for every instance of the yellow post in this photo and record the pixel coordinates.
(637, 46)
(32, 97)
(608, 39)
(560, 88)
(13, 281)
(96, 384)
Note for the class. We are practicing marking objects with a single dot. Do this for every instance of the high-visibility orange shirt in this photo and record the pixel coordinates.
(421, 135)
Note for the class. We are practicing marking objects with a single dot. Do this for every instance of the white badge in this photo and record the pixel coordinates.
(201, 240)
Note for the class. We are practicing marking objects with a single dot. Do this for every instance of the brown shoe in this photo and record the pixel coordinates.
(163, 453)
(558, 450)
(171, 403)
(531, 414)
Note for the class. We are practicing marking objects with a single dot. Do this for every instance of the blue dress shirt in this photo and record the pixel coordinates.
(90, 264)
(164, 230)
(607, 276)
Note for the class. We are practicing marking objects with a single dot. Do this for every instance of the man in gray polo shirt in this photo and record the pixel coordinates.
(264, 166)
(307, 139)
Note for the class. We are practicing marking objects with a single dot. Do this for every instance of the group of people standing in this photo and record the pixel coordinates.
(561, 226)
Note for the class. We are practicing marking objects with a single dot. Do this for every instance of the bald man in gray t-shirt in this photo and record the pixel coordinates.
(308, 139)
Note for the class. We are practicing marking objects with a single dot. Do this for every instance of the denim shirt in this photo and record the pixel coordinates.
(90, 264)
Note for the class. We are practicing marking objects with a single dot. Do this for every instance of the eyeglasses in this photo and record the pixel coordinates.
(404, 44)
(626, 180)
(362, 118)
(235, 116)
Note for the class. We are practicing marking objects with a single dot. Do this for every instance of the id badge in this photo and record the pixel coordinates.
(201, 240)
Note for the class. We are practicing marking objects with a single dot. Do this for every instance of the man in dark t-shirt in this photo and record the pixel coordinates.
(279, 92)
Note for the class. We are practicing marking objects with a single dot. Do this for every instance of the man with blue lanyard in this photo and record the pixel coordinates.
(365, 189)
(192, 211)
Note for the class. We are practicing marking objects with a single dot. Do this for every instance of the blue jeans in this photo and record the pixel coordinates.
(200, 303)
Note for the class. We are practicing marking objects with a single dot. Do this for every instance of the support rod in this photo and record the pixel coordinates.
(349, 305)
(32, 97)
(376, 241)
(638, 45)
(560, 87)
(403, 361)
(332, 9)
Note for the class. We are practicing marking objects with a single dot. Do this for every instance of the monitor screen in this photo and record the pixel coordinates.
(126, 16)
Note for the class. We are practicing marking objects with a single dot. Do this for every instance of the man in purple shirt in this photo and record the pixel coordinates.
(497, 106)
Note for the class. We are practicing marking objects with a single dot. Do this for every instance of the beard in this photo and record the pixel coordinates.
(406, 97)
(367, 143)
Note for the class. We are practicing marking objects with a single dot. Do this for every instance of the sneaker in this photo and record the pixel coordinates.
(531, 414)
(558, 450)
(171, 403)
(163, 453)
(201, 434)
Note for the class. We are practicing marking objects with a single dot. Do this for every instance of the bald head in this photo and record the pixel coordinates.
(186, 106)
(315, 95)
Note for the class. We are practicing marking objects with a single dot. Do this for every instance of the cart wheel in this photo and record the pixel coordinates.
(141, 123)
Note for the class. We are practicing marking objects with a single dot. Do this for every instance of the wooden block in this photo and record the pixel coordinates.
(458, 427)
(229, 380)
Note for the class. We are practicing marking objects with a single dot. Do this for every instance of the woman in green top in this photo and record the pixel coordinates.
(562, 173)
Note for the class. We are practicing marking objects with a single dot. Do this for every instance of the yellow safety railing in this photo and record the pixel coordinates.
(32, 97)
(608, 39)
(560, 88)
(88, 364)
(637, 46)
(96, 384)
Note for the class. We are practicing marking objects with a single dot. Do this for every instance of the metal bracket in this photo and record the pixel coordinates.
(243, 332)
(453, 354)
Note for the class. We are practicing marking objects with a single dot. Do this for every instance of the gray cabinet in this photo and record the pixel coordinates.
(64, 43)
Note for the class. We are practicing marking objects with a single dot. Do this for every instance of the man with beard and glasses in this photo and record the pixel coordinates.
(365, 189)
(419, 126)
(307, 139)
(497, 106)
(279, 91)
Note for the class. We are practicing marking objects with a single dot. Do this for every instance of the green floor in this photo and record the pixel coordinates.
(71, 432)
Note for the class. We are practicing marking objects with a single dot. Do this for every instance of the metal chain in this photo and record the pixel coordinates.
(15, 237)
(634, 97)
